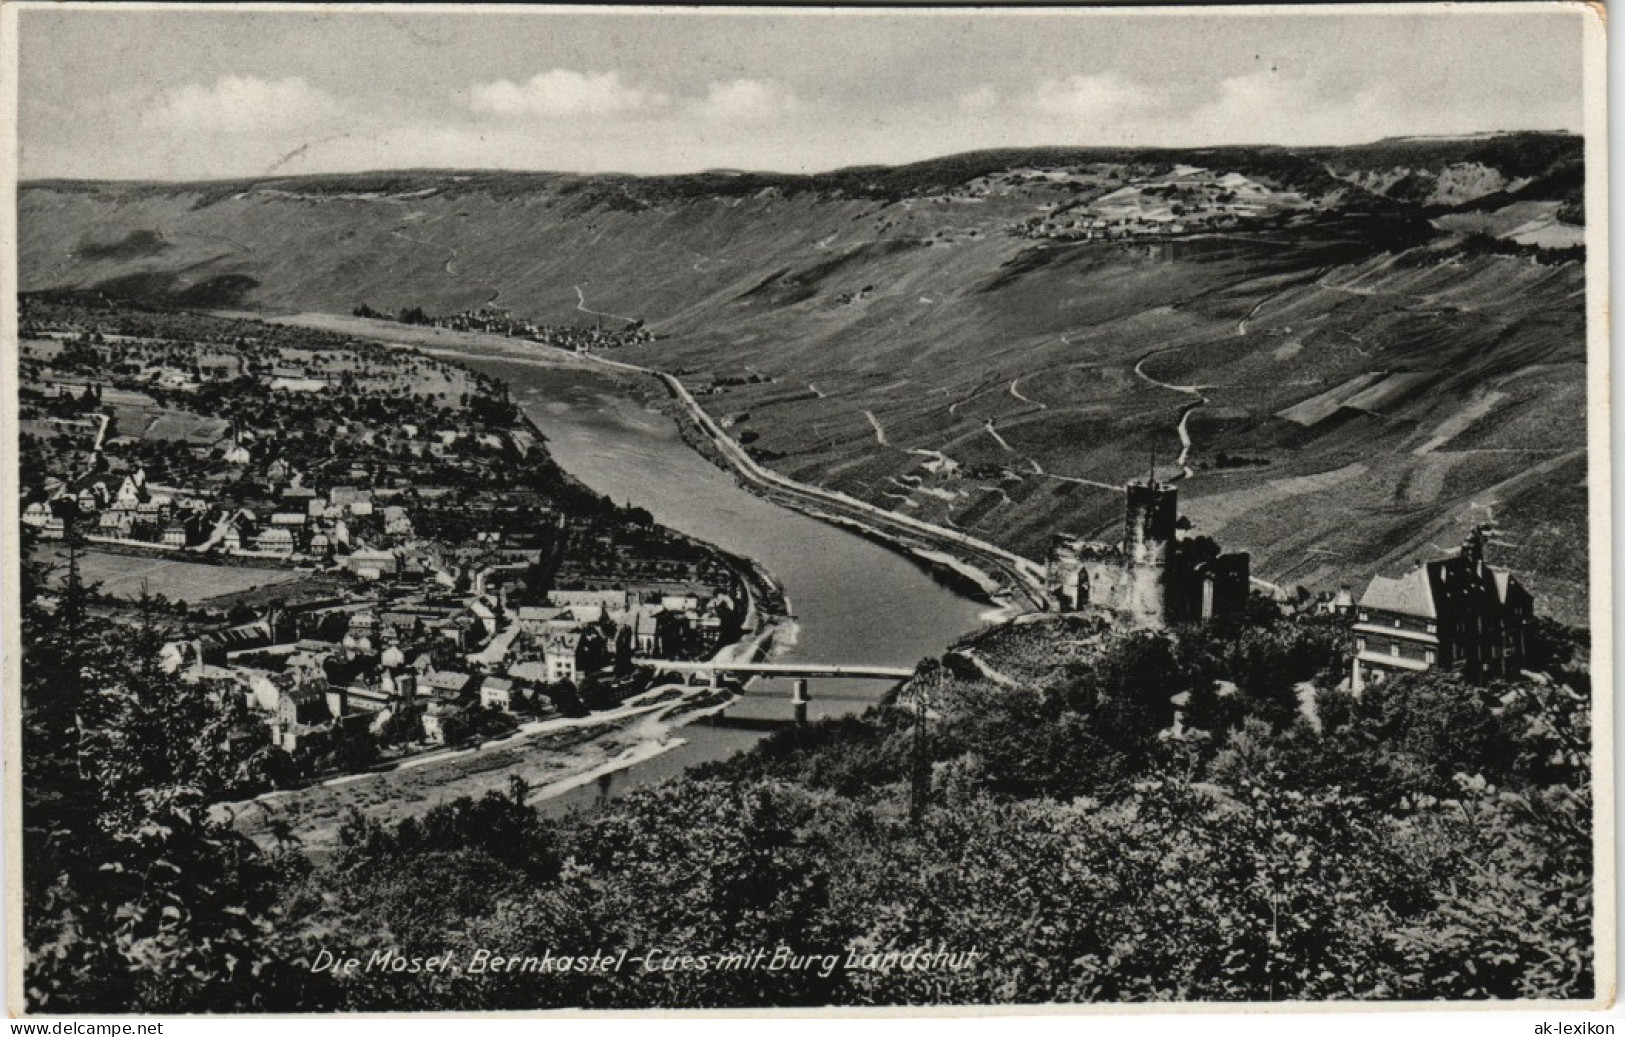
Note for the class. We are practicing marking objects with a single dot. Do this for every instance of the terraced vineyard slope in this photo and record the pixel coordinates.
(1347, 356)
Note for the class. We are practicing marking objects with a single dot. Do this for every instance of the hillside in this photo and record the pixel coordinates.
(1383, 343)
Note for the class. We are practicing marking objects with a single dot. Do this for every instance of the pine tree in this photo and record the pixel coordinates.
(135, 898)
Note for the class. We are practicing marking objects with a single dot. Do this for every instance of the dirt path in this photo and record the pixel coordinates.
(581, 304)
(994, 432)
(1183, 428)
(450, 258)
(1016, 392)
(880, 433)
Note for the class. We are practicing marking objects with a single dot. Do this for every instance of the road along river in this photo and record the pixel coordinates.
(854, 601)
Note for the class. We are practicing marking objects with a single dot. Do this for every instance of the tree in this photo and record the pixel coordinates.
(135, 899)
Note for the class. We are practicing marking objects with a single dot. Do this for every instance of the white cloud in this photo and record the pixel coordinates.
(1261, 107)
(978, 99)
(239, 105)
(1103, 98)
(1267, 106)
(747, 100)
(562, 92)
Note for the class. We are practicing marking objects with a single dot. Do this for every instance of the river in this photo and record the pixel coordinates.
(853, 600)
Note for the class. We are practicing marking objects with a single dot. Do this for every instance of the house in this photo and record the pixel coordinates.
(350, 499)
(444, 723)
(396, 522)
(445, 685)
(218, 646)
(497, 693)
(687, 602)
(301, 712)
(400, 626)
(1456, 613)
(606, 599)
(116, 523)
(384, 687)
(275, 540)
(371, 564)
(646, 629)
(532, 671)
(559, 655)
(174, 535)
(133, 489)
(534, 620)
(37, 514)
(93, 495)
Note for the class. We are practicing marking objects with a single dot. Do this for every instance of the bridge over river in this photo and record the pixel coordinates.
(799, 673)
(797, 669)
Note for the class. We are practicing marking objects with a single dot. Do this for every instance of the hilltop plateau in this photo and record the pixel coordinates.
(1346, 355)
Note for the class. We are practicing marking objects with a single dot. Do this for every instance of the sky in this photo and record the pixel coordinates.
(197, 93)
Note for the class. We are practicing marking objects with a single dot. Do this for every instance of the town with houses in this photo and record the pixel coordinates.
(495, 320)
(429, 576)
(1185, 200)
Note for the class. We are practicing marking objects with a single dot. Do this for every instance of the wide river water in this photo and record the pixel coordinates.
(853, 600)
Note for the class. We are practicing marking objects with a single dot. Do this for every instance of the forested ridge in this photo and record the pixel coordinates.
(1196, 815)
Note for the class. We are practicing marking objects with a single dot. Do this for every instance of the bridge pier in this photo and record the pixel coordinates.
(799, 699)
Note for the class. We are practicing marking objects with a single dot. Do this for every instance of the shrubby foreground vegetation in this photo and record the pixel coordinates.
(1197, 815)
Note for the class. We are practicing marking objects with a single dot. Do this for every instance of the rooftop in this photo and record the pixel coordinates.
(1411, 594)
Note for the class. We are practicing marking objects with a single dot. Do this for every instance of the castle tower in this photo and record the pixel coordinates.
(1472, 548)
(1149, 521)
(1066, 572)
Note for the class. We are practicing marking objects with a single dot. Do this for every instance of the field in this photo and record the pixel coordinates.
(123, 575)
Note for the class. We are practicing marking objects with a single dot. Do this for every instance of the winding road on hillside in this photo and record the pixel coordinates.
(874, 422)
(581, 304)
(1016, 392)
(993, 431)
(451, 257)
(451, 252)
(1185, 413)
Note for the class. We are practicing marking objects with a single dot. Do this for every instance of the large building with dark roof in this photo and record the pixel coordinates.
(1457, 613)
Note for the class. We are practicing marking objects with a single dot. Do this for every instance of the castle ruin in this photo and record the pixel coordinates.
(1155, 578)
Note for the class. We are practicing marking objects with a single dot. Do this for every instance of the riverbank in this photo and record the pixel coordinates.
(1022, 588)
(851, 595)
(953, 573)
(553, 757)
(1012, 584)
